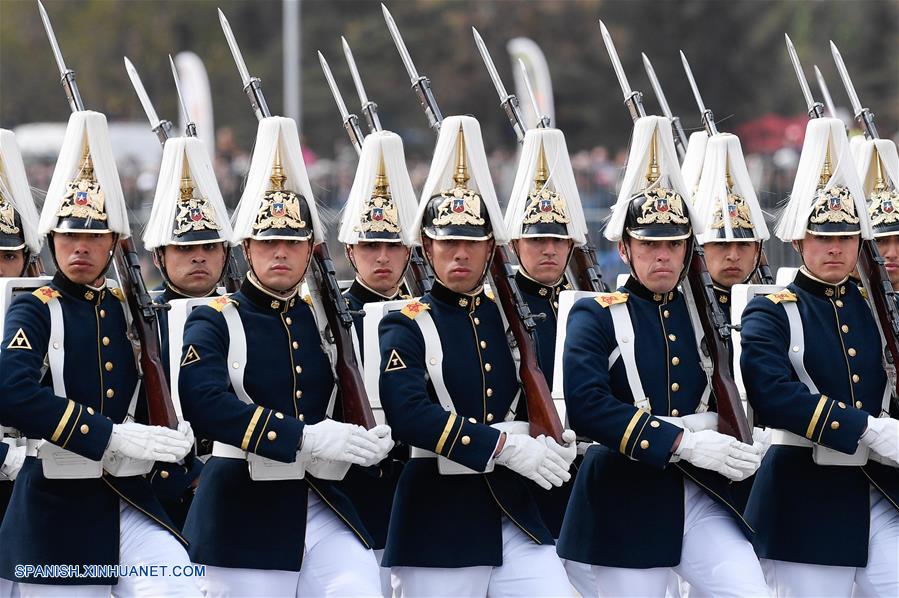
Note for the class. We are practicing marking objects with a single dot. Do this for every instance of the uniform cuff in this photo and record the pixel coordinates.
(840, 427)
(467, 442)
(83, 431)
(648, 439)
(273, 435)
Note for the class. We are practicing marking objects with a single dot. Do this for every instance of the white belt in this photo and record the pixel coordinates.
(31, 447)
(420, 453)
(784, 438)
(220, 449)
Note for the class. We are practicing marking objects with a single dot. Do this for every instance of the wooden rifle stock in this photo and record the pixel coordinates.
(160, 410)
(882, 297)
(35, 267)
(731, 417)
(542, 415)
(353, 398)
(588, 275)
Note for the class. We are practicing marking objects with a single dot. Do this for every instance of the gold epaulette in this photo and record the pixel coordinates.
(45, 294)
(219, 303)
(307, 299)
(413, 308)
(783, 295)
(609, 299)
(490, 296)
(117, 293)
(864, 292)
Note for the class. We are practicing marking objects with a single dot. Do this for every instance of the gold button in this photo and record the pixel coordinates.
(164, 474)
(466, 440)
(543, 292)
(110, 393)
(675, 387)
(295, 345)
(487, 367)
(489, 392)
(90, 410)
(666, 314)
(483, 344)
(644, 444)
(299, 394)
(299, 369)
(844, 328)
(477, 321)
(477, 301)
(841, 405)
(302, 417)
(675, 360)
(472, 420)
(279, 415)
(272, 435)
(489, 417)
(276, 304)
(288, 321)
(654, 423)
(102, 313)
(852, 352)
(85, 428)
(105, 341)
(672, 337)
(89, 295)
(859, 405)
(839, 303)
(555, 304)
(675, 412)
(108, 366)
(855, 377)
(834, 425)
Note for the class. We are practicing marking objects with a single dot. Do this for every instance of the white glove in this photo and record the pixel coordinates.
(150, 443)
(533, 459)
(761, 439)
(882, 437)
(711, 450)
(382, 437)
(697, 422)
(15, 458)
(568, 449)
(329, 440)
(184, 428)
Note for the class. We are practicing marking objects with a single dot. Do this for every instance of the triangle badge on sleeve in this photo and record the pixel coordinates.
(19, 341)
(191, 357)
(394, 362)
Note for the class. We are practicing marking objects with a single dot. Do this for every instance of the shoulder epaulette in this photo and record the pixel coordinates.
(784, 295)
(45, 294)
(609, 299)
(490, 296)
(864, 292)
(219, 303)
(413, 308)
(307, 299)
(118, 293)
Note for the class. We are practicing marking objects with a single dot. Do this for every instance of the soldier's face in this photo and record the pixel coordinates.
(656, 264)
(380, 266)
(194, 269)
(459, 265)
(543, 258)
(82, 257)
(889, 249)
(278, 264)
(730, 263)
(830, 258)
(12, 263)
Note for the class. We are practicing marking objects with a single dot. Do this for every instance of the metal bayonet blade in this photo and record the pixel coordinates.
(657, 87)
(400, 44)
(616, 62)
(530, 89)
(847, 82)
(344, 113)
(692, 81)
(142, 94)
(491, 68)
(235, 50)
(181, 101)
(825, 92)
(797, 66)
(54, 45)
(354, 72)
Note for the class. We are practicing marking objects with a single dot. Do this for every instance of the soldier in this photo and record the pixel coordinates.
(545, 221)
(74, 417)
(187, 233)
(658, 479)
(381, 205)
(256, 379)
(878, 167)
(479, 532)
(825, 513)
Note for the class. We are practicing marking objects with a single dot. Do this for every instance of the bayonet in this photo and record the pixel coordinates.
(191, 127)
(508, 101)
(67, 75)
(632, 99)
(421, 85)
(369, 108)
(252, 86)
(815, 109)
(158, 126)
(542, 119)
(864, 116)
(708, 119)
(825, 92)
(680, 137)
(350, 121)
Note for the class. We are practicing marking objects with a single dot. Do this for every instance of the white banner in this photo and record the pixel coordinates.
(197, 97)
(538, 72)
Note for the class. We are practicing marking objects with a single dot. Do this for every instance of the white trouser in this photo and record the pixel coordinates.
(581, 577)
(716, 558)
(386, 588)
(335, 563)
(528, 569)
(142, 542)
(879, 578)
(6, 588)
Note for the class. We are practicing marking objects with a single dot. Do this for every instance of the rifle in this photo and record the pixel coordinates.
(731, 417)
(680, 137)
(762, 272)
(542, 415)
(355, 405)
(144, 315)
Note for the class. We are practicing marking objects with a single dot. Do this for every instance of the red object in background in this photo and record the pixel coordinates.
(771, 132)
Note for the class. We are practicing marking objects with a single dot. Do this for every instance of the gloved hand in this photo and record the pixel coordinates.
(15, 458)
(184, 428)
(381, 436)
(329, 440)
(711, 450)
(150, 443)
(697, 422)
(568, 449)
(533, 459)
(882, 437)
(761, 439)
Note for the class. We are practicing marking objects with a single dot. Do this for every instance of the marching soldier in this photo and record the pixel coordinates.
(545, 221)
(824, 503)
(74, 417)
(658, 479)
(463, 520)
(381, 205)
(256, 379)
(878, 167)
(187, 233)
